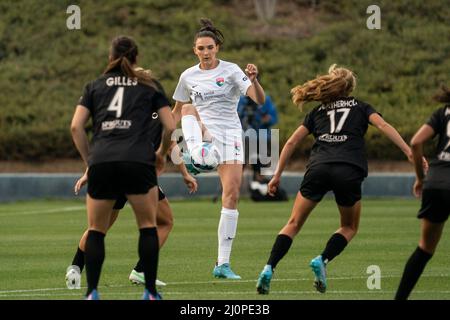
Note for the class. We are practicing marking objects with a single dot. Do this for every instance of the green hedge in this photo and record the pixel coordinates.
(44, 66)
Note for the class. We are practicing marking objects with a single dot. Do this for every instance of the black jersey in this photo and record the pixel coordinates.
(438, 176)
(125, 123)
(339, 128)
(156, 130)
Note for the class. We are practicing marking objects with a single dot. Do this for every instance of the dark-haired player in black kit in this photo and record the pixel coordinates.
(164, 217)
(337, 163)
(434, 188)
(121, 158)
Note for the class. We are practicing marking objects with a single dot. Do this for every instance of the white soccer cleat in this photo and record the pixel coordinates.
(73, 277)
(160, 283)
(139, 278)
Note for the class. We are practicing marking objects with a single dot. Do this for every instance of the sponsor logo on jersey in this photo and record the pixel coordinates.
(116, 124)
(444, 156)
(220, 81)
(197, 96)
(332, 138)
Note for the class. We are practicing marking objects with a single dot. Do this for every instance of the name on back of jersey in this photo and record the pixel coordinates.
(121, 81)
(338, 104)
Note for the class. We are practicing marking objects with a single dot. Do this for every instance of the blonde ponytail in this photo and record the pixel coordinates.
(339, 82)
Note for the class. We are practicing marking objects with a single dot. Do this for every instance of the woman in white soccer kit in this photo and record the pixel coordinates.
(206, 98)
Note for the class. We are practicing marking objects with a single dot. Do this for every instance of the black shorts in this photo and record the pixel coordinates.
(120, 202)
(435, 205)
(111, 180)
(343, 179)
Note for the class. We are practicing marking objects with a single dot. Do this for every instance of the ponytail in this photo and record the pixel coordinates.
(124, 52)
(442, 96)
(339, 82)
(209, 30)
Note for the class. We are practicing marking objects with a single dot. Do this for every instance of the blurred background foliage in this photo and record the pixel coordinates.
(44, 66)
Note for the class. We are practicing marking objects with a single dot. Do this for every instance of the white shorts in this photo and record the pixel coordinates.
(229, 144)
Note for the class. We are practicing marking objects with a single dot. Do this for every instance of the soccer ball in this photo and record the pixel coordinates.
(205, 157)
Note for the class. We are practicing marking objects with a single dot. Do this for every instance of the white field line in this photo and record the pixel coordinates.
(8, 292)
(286, 292)
(63, 209)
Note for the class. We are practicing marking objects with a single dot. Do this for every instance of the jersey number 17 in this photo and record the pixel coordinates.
(332, 115)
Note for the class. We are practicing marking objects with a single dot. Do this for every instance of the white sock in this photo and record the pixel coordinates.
(192, 131)
(226, 233)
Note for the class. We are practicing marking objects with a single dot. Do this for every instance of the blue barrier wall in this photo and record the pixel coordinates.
(34, 186)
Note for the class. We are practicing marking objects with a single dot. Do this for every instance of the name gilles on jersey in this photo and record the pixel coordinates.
(340, 106)
(117, 101)
(121, 81)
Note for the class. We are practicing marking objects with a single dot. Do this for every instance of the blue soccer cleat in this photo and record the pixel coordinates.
(93, 295)
(224, 271)
(263, 284)
(318, 267)
(149, 296)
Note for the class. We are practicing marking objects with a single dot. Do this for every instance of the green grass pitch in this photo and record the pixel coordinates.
(39, 238)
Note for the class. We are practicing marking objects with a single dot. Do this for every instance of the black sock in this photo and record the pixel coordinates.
(334, 247)
(279, 249)
(78, 259)
(94, 255)
(139, 267)
(413, 269)
(148, 255)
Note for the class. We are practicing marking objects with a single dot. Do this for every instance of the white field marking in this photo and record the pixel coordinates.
(7, 292)
(338, 292)
(64, 209)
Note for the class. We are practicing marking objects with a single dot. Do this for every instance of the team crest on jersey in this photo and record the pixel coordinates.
(220, 81)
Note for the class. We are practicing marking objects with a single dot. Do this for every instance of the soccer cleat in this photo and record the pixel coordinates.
(318, 267)
(224, 271)
(148, 296)
(93, 295)
(263, 284)
(73, 277)
(139, 278)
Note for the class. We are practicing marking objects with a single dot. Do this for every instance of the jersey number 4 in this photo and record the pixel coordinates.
(116, 102)
(448, 135)
(332, 115)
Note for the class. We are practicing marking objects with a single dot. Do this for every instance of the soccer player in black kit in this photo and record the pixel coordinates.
(164, 219)
(164, 216)
(434, 188)
(121, 158)
(337, 163)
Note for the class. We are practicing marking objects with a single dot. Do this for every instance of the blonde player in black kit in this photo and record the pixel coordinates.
(434, 188)
(337, 163)
(121, 158)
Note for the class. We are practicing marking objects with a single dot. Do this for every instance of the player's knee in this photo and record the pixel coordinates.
(230, 197)
(351, 230)
(168, 223)
(164, 219)
(187, 109)
(294, 225)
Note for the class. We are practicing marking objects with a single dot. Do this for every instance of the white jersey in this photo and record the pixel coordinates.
(215, 93)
